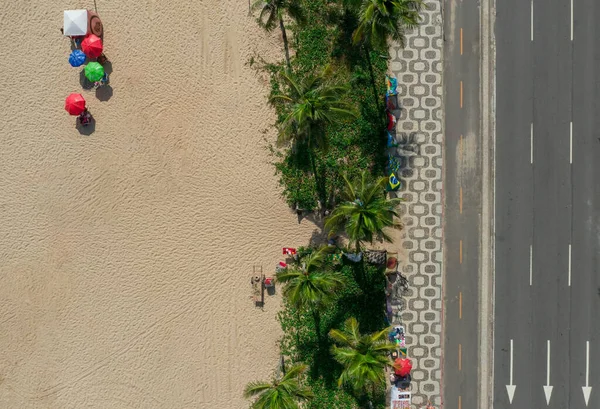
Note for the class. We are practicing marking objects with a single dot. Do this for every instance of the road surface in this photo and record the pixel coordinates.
(462, 197)
(547, 204)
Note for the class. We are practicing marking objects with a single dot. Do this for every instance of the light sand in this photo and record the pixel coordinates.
(126, 255)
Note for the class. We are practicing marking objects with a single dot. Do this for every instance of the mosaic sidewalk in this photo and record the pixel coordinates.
(419, 134)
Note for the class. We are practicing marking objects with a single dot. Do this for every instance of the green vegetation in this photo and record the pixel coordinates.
(365, 212)
(363, 297)
(332, 132)
(311, 284)
(346, 144)
(280, 394)
(363, 356)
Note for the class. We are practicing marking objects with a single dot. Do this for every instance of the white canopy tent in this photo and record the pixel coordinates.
(76, 23)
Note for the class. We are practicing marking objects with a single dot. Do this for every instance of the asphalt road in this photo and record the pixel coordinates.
(547, 204)
(462, 198)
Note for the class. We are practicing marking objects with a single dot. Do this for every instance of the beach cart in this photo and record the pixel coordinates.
(400, 398)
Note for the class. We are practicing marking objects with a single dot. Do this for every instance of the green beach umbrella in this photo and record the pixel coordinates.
(94, 71)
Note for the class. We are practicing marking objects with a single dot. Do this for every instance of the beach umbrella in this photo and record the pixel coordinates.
(75, 104)
(94, 71)
(75, 23)
(92, 46)
(77, 58)
(402, 366)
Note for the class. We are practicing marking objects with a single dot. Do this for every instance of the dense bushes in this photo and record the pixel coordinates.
(363, 298)
(324, 42)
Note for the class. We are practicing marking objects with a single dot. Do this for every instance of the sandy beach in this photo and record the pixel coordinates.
(127, 254)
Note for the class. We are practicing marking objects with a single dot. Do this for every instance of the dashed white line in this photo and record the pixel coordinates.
(571, 20)
(569, 265)
(530, 264)
(531, 20)
(571, 143)
(531, 143)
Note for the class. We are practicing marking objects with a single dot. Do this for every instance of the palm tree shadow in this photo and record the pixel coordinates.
(408, 147)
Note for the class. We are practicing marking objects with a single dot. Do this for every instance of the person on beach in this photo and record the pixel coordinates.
(85, 118)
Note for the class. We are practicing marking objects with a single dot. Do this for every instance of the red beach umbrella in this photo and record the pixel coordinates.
(75, 104)
(92, 46)
(402, 366)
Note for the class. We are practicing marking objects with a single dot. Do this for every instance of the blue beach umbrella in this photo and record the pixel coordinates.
(77, 58)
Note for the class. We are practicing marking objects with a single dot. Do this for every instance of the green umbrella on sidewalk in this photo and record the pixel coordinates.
(94, 71)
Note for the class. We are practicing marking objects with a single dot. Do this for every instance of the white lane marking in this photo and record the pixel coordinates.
(511, 388)
(569, 265)
(587, 389)
(547, 387)
(531, 143)
(571, 20)
(531, 20)
(530, 264)
(571, 142)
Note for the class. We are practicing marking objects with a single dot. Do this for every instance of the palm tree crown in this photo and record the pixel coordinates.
(310, 286)
(314, 100)
(382, 19)
(365, 211)
(284, 393)
(363, 356)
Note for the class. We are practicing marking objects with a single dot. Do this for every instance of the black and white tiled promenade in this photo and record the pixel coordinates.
(419, 133)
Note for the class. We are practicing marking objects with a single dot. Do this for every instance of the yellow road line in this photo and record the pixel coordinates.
(460, 357)
(460, 305)
(459, 402)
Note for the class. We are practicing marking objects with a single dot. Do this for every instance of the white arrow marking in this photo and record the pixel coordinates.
(547, 387)
(511, 388)
(587, 389)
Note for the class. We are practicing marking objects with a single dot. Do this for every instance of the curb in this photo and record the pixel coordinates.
(486, 291)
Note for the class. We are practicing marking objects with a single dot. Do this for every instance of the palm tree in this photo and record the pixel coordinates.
(284, 393)
(383, 19)
(363, 356)
(310, 286)
(314, 101)
(271, 14)
(380, 20)
(366, 212)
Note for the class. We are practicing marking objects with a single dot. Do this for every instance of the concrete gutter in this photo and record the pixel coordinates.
(488, 131)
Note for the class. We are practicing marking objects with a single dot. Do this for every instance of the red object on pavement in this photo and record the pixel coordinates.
(75, 104)
(402, 366)
(282, 264)
(289, 251)
(92, 46)
(391, 122)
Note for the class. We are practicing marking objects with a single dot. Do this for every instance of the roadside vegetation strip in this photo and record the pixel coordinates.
(328, 97)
